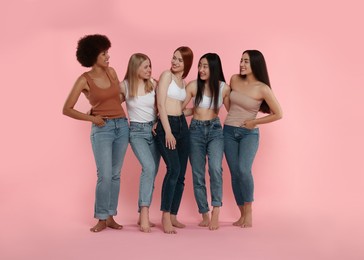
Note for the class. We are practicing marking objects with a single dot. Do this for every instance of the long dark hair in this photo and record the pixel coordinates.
(260, 72)
(216, 75)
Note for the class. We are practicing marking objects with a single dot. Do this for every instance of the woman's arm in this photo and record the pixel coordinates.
(163, 84)
(276, 111)
(190, 92)
(68, 107)
(226, 97)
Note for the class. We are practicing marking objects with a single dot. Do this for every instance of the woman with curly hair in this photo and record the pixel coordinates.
(109, 130)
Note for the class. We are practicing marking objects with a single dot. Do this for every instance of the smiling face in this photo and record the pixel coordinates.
(177, 64)
(203, 69)
(103, 59)
(245, 68)
(145, 70)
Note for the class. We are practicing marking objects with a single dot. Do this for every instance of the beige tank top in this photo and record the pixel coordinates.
(242, 107)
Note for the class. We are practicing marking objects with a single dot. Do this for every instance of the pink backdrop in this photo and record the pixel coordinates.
(308, 171)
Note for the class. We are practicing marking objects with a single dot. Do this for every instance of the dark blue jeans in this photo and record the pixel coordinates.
(176, 162)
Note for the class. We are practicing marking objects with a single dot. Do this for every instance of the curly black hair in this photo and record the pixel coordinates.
(89, 47)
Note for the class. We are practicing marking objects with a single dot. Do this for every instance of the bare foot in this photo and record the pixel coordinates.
(214, 224)
(144, 220)
(248, 216)
(176, 223)
(151, 224)
(111, 223)
(167, 224)
(205, 220)
(240, 221)
(101, 225)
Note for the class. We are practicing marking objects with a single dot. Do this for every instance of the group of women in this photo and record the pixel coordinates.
(157, 127)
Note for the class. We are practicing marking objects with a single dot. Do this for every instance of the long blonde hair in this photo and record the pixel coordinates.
(131, 74)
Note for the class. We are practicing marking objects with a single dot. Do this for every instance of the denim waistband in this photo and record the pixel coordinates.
(176, 118)
(180, 116)
(150, 123)
(206, 122)
(114, 119)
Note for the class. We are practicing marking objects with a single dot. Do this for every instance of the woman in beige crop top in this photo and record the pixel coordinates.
(109, 130)
(251, 93)
(172, 135)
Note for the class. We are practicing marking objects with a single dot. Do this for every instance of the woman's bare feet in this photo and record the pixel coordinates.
(101, 225)
(111, 223)
(240, 221)
(167, 223)
(205, 220)
(214, 224)
(144, 220)
(175, 222)
(248, 216)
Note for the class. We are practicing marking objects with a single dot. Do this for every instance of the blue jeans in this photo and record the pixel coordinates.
(241, 145)
(176, 162)
(206, 139)
(145, 149)
(109, 144)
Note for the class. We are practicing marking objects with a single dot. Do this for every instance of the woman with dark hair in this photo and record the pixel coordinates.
(109, 131)
(138, 89)
(251, 93)
(172, 135)
(206, 136)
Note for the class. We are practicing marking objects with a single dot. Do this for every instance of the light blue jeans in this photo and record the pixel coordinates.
(109, 144)
(206, 139)
(241, 145)
(145, 149)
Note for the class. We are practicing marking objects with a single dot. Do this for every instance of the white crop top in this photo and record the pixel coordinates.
(175, 92)
(206, 101)
(141, 109)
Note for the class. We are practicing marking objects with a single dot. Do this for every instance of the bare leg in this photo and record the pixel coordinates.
(214, 224)
(167, 223)
(176, 223)
(101, 225)
(248, 215)
(205, 220)
(240, 221)
(111, 223)
(144, 220)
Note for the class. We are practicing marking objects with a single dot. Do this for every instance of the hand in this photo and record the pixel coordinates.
(98, 120)
(153, 128)
(249, 124)
(170, 141)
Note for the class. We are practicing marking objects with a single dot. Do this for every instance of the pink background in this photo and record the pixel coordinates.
(308, 171)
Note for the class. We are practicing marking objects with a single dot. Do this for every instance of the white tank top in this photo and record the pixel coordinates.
(206, 100)
(175, 92)
(141, 109)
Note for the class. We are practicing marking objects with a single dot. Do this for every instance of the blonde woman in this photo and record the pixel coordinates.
(138, 89)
